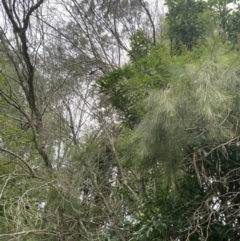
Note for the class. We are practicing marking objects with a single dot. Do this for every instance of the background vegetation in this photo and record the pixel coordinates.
(119, 120)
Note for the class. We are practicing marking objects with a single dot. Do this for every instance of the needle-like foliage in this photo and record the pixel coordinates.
(199, 107)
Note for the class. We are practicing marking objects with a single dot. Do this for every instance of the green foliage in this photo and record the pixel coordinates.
(188, 211)
(140, 45)
(163, 212)
(125, 88)
(190, 22)
(185, 144)
(189, 136)
(196, 108)
(184, 25)
(233, 28)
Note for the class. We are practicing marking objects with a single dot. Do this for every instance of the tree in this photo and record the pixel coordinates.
(126, 88)
(189, 137)
(41, 77)
(185, 26)
(94, 146)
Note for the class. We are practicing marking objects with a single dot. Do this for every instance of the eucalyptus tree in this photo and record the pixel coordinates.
(60, 178)
(101, 29)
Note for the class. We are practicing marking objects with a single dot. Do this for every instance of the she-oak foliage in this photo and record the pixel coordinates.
(191, 130)
(198, 107)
